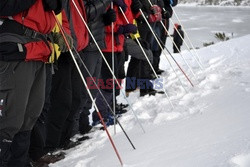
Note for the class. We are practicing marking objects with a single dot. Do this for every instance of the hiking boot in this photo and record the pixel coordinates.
(150, 92)
(70, 144)
(120, 106)
(119, 112)
(108, 121)
(83, 138)
(85, 130)
(152, 76)
(51, 158)
(159, 71)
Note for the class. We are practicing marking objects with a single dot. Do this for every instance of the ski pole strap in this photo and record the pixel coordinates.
(12, 31)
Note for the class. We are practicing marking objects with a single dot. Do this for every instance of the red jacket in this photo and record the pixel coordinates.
(79, 32)
(118, 45)
(119, 39)
(37, 19)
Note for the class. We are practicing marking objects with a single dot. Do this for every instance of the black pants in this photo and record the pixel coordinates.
(22, 91)
(138, 67)
(177, 49)
(133, 73)
(93, 62)
(65, 102)
(38, 133)
(107, 90)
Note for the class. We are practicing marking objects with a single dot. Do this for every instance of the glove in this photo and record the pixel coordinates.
(127, 29)
(109, 17)
(121, 4)
(58, 39)
(55, 5)
(166, 14)
(155, 14)
(153, 10)
(135, 6)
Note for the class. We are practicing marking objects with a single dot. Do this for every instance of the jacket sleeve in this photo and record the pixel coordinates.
(95, 8)
(13, 7)
(65, 22)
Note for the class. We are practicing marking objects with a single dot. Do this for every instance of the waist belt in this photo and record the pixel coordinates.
(12, 31)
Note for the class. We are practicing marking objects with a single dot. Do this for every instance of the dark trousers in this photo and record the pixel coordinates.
(65, 102)
(133, 72)
(155, 47)
(107, 90)
(162, 36)
(93, 62)
(138, 67)
(177, 49)
(38, 133)
(22, 92)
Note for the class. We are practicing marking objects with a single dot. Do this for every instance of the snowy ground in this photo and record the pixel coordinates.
(201, 23)
(208, 127)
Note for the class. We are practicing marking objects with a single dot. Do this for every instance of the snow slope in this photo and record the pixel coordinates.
(208, 127)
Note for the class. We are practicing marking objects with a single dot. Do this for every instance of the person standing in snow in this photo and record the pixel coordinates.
(99, 15)
(178, 37)
(66, 83)
(37, 156)
(120, 29)
(24, 48)
(161, 33)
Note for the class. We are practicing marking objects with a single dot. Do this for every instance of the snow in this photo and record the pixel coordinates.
(241, 160)
(201, 23)
(209, 125)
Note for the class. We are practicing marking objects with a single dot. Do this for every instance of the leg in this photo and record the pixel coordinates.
(18, 98)
(61, 102)
(38, 134)
(93, 62)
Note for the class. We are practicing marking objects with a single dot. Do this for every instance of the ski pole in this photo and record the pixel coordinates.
(113, 67)
(104, 98)
(169, 52)
(78, 68)
(187, 37)
(157, 40)
(138, 121)
(173, 42)
(194, 56)
(150, 64)
(173, 57)
(179, 33)
(165, 28)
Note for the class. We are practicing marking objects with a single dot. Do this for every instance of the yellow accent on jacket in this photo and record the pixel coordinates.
(137, 35)
(55, 52)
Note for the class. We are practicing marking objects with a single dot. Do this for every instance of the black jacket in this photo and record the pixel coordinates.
(177, 38)
(95, 10)
(13, 7)
(168, 7)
